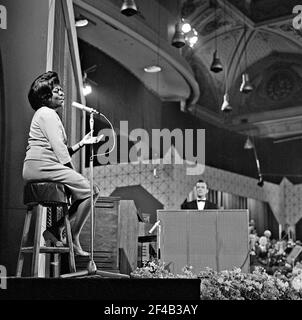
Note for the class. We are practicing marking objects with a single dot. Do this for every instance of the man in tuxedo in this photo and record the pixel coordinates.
(201, 203)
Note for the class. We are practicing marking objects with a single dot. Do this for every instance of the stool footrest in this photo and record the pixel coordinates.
(46, 250)
(37, 195)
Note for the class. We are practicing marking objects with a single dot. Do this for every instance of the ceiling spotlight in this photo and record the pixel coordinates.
(246, 85)
(87, 89)
(128, 8)
(178, 39)
(248, 144)
(86, 86)
(186, 27)
(226, 107)
(81, 23)
(152, 69)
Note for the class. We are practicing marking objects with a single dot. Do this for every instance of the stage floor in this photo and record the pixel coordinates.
(98, 288)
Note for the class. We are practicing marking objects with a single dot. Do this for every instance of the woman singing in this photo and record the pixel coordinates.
(49, 159)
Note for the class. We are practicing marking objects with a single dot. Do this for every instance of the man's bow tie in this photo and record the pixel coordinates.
(198, 200)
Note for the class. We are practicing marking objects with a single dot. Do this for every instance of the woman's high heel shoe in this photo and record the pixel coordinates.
(49, 236)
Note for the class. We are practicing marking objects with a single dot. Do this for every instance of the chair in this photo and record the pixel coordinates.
(36, 196)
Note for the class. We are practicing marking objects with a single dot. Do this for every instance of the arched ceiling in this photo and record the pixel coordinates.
(255, 37)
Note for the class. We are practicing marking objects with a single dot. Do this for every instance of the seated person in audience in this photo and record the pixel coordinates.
(262, 252)
(201, 203)
(253, 241)
(263, 244)
(268, 235)
(289, 246)
(252, 226)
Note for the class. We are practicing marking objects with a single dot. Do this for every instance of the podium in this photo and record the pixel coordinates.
(217, 239)
(115, 239)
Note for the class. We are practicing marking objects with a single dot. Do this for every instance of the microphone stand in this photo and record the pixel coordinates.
(91, 267)
(158, 226)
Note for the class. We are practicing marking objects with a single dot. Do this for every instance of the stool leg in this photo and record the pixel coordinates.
(71, 259)
(37, 239)
(56, 265)
(23, 242)
(47, 261)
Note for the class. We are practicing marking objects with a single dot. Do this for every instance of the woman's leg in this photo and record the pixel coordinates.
(55, 232)
(78, 219)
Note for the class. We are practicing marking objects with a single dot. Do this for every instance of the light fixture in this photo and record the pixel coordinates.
(216, 65)
(260, 181)
(129, 8)
(226, 107)
(248, 144)
(152, 69)
(186, 27)
(87, 89)
(178, 39)
(191, 37)
(246, 86)
(81, 22)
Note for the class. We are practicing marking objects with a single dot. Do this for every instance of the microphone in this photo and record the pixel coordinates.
(154, 226)
(84, 108)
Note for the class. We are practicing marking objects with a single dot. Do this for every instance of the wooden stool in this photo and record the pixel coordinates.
(36, 196)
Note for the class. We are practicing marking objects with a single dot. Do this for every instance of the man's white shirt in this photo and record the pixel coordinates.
(200, 204)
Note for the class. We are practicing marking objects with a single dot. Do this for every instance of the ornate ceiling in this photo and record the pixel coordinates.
(255, 37)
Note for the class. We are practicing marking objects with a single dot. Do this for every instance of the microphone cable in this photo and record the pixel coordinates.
(113, 134)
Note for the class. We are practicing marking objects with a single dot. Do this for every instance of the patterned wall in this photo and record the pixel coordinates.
(170, 185)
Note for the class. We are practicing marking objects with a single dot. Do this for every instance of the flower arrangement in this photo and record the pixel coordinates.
(158, 269)
(233, 284)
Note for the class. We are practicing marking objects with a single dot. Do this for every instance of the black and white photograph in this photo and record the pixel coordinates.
(151, 154)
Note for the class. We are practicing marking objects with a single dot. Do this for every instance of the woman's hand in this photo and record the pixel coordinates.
(90, 140)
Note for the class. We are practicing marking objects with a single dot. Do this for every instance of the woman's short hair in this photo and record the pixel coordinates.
(41, 89)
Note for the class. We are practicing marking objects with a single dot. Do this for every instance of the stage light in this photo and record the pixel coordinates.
(87, 89)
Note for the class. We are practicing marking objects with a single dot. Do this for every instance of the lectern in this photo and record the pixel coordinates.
(217, 239)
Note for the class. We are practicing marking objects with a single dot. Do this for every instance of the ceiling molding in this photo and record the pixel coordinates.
(273, 124)
(204, 114)
(283, 35)
(235, 12)
(272, 128)
(276, 21)
(279, 114)
(222, 33)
